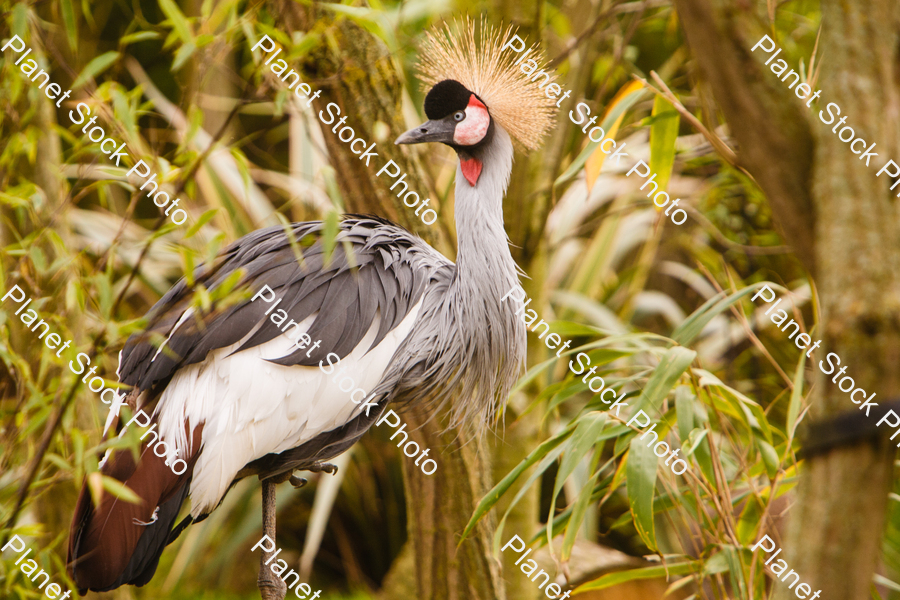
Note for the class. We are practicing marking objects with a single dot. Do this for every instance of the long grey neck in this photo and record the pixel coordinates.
(485, 265)
(487, 338)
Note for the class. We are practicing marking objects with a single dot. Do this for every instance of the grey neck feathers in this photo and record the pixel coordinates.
(491, 338)
(483, 258)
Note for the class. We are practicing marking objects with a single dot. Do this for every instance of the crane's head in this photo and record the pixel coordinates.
(477, 86)
(458, 118)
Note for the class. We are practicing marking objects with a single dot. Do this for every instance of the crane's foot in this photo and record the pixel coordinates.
(270, 586)
(321, 467)
(297, 482)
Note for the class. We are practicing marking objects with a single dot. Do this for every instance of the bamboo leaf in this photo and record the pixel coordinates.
(205, 218)
(19, 19)
(178, 20)
(139, 36)
(587, 429)
(685, 333)
(611, 579)
(734, 559)
(551, 457)
(663, 134)
(885, 582)
(69, 22)
(769, 456)
(796, 399)
(329, 235)
(119, 490)
(95, 487)
(671, 367)
(684, 409)
(183, 55)
(95, 67)
(640, 479)
(749, 411)
(578, 511)
(491, 498)
(748, 523)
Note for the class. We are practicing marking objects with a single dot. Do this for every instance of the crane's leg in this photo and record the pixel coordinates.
(271, 587)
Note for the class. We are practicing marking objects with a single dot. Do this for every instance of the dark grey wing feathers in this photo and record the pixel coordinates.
(386, 274)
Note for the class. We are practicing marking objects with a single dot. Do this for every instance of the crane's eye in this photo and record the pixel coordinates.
(459, 115)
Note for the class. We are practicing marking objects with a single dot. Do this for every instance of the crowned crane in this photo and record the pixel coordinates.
(231, 392)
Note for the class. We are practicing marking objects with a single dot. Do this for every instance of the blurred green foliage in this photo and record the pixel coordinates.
(629, 288)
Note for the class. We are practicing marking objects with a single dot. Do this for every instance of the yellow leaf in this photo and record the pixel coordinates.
(595, 161)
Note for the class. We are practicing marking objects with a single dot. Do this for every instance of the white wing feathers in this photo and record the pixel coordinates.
(250, 407)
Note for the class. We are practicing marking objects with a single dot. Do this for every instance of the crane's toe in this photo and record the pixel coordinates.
(321, 467)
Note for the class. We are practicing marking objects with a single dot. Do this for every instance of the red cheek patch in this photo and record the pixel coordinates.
(471, 170)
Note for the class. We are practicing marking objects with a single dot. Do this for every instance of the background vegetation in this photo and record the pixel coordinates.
(663, 309)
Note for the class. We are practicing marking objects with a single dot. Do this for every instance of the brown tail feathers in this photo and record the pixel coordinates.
(120, 543)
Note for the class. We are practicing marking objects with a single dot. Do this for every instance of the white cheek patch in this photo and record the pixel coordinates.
(471, 130)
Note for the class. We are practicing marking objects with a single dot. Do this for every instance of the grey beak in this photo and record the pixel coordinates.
(430, 131)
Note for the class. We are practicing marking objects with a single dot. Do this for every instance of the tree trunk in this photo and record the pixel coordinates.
(440, 506)
(835, 532)
(843, 223)
(354, 70)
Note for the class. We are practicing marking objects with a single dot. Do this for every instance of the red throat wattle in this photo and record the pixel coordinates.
(471, 169)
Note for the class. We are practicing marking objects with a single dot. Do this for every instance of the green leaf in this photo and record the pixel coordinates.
(329, 235)
(183, 55)
(693, 439)
(671, 367)
(587, 430)
(640, 479)
(68, 17)
(140, 36)
(549, 460)
(717, 563)
(748, 523)
(594, 164)
(95, 67)
(203, 220)
(735, 569)
(578, 511)
(179, 22)
(611, 579)
(120, 490)
(684, 408)
(685, 333)
(20, 19)
(796, 399)
(700, 450)
(739, 405)
(663, 133)
(769, 456)
(491, 498)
